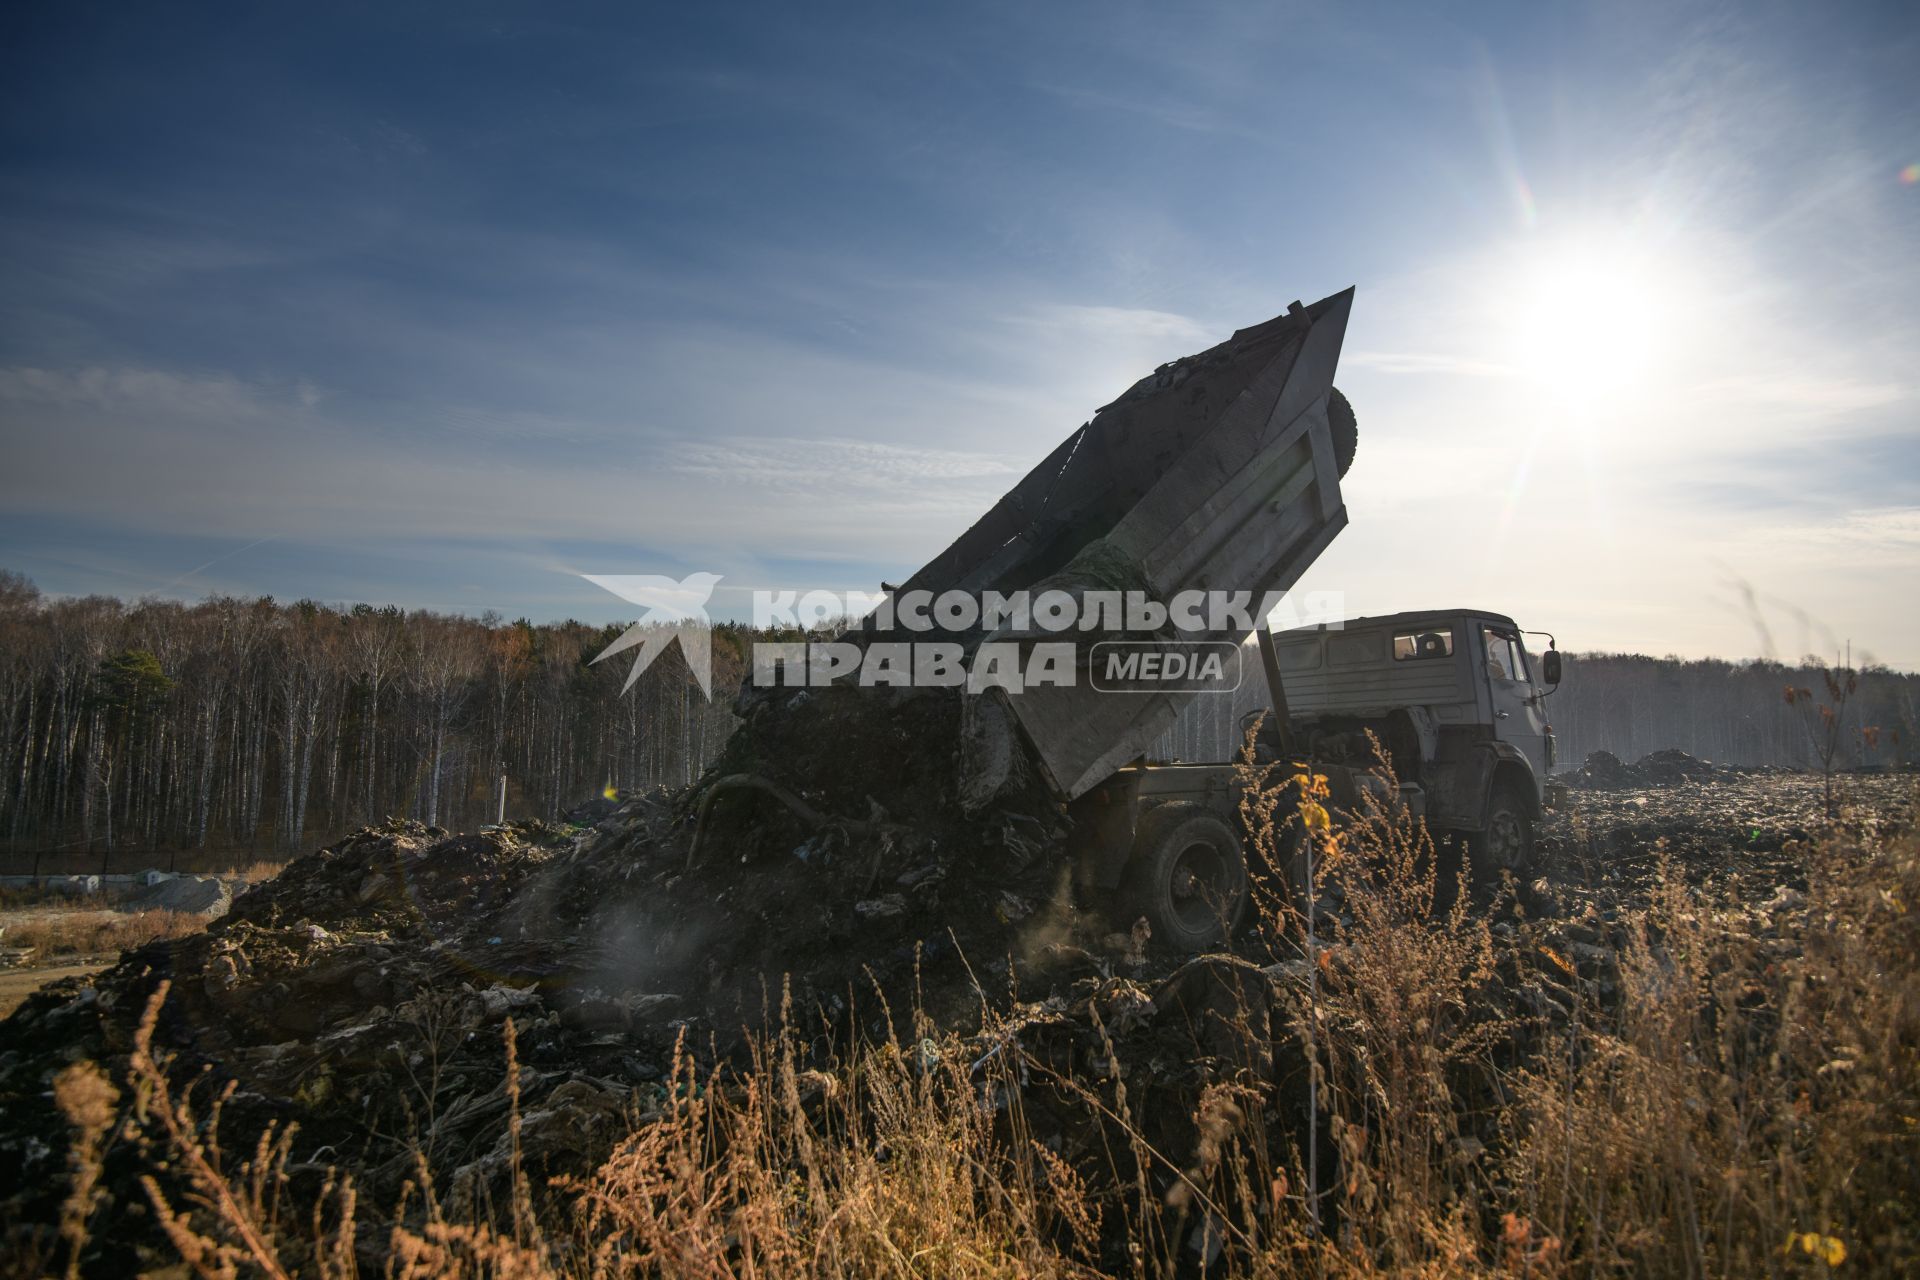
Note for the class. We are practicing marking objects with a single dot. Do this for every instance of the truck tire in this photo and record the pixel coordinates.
(1345, 429)
(1188, 876)
(1507, 842)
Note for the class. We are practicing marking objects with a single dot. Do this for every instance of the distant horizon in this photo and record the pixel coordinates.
(615, 618)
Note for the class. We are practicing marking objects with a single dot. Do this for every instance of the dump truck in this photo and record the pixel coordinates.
(1217, 474)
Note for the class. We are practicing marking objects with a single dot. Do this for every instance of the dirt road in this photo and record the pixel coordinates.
(17, 984)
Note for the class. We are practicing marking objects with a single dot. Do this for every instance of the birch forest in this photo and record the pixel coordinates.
(264, 729)
(261, 729)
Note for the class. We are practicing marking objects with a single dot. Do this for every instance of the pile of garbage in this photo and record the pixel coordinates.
(1604, 771)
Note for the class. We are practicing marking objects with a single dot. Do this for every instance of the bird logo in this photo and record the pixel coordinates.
(674, 611)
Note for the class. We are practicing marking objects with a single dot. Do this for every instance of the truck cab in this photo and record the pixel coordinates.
(1453, 696)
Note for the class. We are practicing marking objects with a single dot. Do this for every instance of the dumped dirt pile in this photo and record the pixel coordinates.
(361, 992)
(1604, 771)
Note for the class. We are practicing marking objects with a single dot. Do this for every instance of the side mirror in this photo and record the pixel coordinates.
(1550, 666)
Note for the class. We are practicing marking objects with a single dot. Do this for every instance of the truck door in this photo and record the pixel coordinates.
(1510, 682)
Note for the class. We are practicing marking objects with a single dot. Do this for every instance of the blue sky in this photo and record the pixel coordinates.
(446, 305)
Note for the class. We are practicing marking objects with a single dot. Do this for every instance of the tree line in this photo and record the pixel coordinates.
(251, 726)
(1735, 713)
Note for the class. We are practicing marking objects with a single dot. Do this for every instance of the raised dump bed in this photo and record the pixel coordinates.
(1218, 472)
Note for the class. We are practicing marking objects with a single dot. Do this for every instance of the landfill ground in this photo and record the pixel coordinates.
(362, 994)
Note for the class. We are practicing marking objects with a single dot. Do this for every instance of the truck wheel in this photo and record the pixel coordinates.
(1507, 843)
(1188, 876)
(1345, 427)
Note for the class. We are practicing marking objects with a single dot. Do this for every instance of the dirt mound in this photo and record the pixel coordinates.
(1604, 771)
(1672, 767)
(196, 895)
(361, 991)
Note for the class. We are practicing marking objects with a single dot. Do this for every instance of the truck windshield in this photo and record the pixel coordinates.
(1506, 660)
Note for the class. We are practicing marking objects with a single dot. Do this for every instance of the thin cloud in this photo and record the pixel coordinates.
(152, 391)
(1112, 323)
(1810, 394)
(811, 465)
(1417, 362)
(1894, 531)
(1172, 113)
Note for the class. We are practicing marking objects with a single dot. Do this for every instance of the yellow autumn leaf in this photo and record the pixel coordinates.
(1560, 960)
(1828, 1249)
(1314, 817)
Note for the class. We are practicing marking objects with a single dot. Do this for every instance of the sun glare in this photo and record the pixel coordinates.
(1588, 325)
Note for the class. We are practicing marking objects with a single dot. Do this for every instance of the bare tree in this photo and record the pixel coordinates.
(377, 638)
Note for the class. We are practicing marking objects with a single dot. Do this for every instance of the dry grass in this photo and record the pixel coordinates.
(1748, 1105)
(1754, 1103)
(1394, 1008)
(892, 1167)
(59, 937)
(88, 1101)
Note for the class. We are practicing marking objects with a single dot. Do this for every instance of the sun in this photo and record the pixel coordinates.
(1590, 322)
